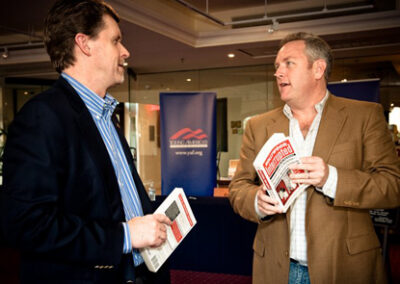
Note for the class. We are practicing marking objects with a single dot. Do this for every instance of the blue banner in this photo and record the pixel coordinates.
(362, 90)
(188, 142)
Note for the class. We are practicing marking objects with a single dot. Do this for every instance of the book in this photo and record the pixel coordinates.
(272, 166)
(176, 207)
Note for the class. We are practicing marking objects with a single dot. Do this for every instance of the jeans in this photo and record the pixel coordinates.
(298, 274)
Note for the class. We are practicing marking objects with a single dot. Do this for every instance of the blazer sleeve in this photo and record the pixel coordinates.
(376, 184)
(35, 176)
(244, 186)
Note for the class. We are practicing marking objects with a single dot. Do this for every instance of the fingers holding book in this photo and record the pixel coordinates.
(266, 204)
(312, 170)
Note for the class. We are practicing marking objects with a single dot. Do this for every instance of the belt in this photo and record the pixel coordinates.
(297, 262)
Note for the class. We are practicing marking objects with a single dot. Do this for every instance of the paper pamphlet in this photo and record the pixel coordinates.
(272, 166)
(177, 209)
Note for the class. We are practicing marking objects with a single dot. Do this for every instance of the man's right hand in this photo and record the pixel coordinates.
(149, 230)
(266, 204)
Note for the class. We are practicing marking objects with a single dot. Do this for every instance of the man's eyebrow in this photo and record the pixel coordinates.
(287, 58)
(283, 60)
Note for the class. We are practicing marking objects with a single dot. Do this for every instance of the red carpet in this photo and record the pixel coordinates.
(394, 256)
(194, 277)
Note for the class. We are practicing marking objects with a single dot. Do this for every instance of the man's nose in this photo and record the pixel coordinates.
(278, 74)
(278, 71)
(124, 52)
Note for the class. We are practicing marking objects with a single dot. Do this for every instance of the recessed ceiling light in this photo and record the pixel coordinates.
(188, 80)
(231, 55)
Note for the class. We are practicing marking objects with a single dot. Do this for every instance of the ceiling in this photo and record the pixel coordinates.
(177, 35)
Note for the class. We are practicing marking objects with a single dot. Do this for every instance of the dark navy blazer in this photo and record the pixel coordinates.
(60, 203)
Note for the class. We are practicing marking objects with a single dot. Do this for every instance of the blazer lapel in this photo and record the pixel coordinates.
(144, 198)
(95, 144)
(332, 121)
(279, 124)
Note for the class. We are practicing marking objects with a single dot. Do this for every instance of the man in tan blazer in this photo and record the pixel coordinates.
(350, 164)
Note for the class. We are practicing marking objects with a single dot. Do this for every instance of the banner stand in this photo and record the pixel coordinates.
(188, 142)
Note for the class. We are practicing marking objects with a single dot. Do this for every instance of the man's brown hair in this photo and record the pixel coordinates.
(66, 19)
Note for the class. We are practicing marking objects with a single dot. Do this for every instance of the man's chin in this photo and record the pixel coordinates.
(284, 97)
(119, 81)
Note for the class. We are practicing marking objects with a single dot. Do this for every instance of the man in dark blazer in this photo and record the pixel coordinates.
(65, 186)
(348, 161)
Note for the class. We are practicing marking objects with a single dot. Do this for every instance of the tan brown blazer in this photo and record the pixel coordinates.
(342, 244)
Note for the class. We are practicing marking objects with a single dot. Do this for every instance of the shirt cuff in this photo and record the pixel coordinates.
(127, 239)
(259, 214)
(329, 188)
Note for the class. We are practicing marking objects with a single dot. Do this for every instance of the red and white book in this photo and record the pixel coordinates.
(176, 207)
(272, 166)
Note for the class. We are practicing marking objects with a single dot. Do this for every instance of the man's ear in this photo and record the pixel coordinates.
(319, 67)
(82, 42)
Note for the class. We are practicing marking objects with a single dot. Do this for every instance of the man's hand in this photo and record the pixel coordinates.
(316, 171)
(267, 205)
(149, 230)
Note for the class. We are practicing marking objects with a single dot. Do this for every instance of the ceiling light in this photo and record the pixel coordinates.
(5, 53)
(231, 55)
(188, 80)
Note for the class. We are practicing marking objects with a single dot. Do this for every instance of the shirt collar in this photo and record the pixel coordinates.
(98, 107)
(319, 107)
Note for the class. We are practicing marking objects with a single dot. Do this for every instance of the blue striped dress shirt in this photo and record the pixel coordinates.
(101, 111)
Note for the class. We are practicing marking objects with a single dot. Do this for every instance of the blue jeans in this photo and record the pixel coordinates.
(298, 274)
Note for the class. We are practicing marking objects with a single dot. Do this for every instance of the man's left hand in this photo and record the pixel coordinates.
(315, 173)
